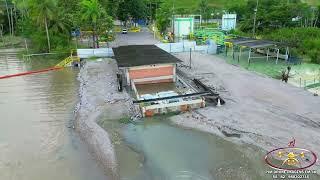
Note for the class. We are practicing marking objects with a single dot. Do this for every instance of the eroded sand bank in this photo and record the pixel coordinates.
(98, 93)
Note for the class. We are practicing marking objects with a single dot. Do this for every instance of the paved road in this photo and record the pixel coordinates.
(138, 38)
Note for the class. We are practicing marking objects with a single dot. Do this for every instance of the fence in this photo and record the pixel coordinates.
(101, 52)
(185, 46)
(310, 83)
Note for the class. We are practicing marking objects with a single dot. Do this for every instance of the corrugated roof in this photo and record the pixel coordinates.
(139, 55)
(240, 40)
(259, 44)
(251, 43)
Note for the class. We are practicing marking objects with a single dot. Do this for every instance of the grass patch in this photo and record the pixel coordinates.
(262, 66)
(11, 42)
(125, 120)
(271, 69)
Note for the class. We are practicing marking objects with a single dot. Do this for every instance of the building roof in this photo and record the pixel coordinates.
(251, 43)
(240, 40)
(139, 55)
(259, 44)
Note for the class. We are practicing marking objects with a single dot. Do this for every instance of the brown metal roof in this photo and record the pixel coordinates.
(139, 55)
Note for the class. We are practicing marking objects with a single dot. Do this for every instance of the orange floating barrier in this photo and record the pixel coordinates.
(31, 72)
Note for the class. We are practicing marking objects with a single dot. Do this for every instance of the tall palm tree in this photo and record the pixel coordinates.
(91, 12)
(44, 11)
(9, 20)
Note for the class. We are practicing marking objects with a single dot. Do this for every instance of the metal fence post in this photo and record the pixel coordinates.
(300, 82)
(190, 59)
(183, 46)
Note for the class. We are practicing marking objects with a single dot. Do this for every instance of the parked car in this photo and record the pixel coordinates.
(124, 31)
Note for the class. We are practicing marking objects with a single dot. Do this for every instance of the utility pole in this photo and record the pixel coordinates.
(255, 19)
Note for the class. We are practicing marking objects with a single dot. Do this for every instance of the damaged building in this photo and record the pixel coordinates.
(150, 73)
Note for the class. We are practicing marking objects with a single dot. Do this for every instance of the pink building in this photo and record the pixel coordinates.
(150, 72)
(144, 64)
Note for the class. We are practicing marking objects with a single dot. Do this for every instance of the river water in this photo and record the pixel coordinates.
(155, 149)
(36, 142)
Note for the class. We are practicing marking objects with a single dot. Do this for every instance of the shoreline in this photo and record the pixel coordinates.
(92, 103)
(253, 118)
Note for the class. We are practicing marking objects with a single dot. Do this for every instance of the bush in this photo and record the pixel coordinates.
(312, 49)
(302, 41)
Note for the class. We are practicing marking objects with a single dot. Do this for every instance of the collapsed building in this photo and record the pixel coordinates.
(150, 74)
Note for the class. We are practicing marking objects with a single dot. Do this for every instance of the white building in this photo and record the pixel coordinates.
(183, 26)
(229, 22)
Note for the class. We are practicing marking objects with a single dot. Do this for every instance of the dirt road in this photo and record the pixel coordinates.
(263, 111)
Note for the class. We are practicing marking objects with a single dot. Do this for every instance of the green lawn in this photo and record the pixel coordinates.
(301, 75)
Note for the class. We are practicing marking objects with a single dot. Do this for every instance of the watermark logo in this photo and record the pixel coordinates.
(290, 158)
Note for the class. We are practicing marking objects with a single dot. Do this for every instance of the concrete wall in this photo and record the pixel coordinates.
(101, 52)
(185, 46)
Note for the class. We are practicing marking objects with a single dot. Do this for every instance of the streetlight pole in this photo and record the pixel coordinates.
(255, 19)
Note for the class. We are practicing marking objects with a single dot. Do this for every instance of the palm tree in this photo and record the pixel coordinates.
(91, 12)
(9, 21)
(43, 11)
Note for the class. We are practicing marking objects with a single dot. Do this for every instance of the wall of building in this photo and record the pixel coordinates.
(151, 74)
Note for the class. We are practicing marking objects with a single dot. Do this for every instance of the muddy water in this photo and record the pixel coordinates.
(35, 113)
(154, 149)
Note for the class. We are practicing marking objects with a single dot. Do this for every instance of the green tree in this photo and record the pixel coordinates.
(134, 9)
(123, 12)
(163, 17)
(312, 49)
(91, 12)
(137, 9)
(204, 9)
(43, 11)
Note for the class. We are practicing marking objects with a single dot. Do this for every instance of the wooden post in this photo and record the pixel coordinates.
(268, 54)
(239, 55)
(26, 45)
(233, 52)
(249, 56)
(226, 49)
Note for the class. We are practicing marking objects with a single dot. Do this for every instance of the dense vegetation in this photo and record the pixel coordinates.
(292, 22)
(49, 23)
